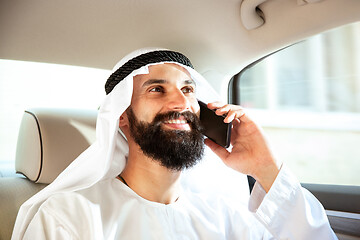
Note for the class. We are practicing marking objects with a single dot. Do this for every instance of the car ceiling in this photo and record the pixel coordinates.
(97, 34)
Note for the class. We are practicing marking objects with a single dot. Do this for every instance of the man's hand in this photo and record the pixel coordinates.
(250, 153)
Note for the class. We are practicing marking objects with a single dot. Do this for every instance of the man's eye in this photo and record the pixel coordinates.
(187, 89)
(156, 89)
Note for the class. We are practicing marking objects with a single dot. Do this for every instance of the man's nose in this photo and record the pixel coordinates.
(178, 101)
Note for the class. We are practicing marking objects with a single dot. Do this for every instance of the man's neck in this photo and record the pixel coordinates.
(150, 180)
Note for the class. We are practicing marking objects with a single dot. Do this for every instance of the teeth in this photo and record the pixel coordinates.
(177, 121)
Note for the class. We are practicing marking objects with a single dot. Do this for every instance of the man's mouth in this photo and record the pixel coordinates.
(176, 121)
(177, 124)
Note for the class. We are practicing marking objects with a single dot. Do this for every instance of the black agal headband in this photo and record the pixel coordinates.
(143, 60)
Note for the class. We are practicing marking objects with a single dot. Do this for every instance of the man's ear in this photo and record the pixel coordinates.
(123, 121)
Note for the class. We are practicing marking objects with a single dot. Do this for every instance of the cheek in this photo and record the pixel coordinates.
(195, 107)
(145, 112)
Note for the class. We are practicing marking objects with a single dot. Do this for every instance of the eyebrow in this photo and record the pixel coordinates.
(162, 81)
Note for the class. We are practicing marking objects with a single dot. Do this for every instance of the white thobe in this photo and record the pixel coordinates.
(111, 210)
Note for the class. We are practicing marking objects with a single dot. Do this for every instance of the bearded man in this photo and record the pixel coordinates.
(127, 185)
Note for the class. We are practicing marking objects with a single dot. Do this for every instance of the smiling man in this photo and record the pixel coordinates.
(127, 185)
(163, 131)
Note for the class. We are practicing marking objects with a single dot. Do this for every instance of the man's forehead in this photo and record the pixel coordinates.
(161, 74)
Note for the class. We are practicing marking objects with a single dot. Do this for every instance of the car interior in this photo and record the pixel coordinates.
(295, 64)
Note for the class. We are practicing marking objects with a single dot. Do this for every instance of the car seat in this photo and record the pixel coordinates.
(49, 140)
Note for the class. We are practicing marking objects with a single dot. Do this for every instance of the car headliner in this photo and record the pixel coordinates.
(211, 32)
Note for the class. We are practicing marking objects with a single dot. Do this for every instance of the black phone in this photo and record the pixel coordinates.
(214, 126)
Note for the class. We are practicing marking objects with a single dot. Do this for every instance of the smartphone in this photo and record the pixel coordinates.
(214, 126)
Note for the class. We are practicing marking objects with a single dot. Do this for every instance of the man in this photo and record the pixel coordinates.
(127, 185)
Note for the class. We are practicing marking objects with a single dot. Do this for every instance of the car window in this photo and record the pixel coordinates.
(25, 85)
(307, 98)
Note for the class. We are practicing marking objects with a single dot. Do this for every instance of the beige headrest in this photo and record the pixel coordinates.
(50, 139)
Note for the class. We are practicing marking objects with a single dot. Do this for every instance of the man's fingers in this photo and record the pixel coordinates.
(217, 149)
(231, 111)
(234, 114)
(223, 110)
(215, 105)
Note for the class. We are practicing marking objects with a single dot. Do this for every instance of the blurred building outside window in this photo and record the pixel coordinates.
(307, 97)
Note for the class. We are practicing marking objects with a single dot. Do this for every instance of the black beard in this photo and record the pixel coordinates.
(173, 149)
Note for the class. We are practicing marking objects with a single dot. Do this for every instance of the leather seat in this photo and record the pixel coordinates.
(49, 140)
